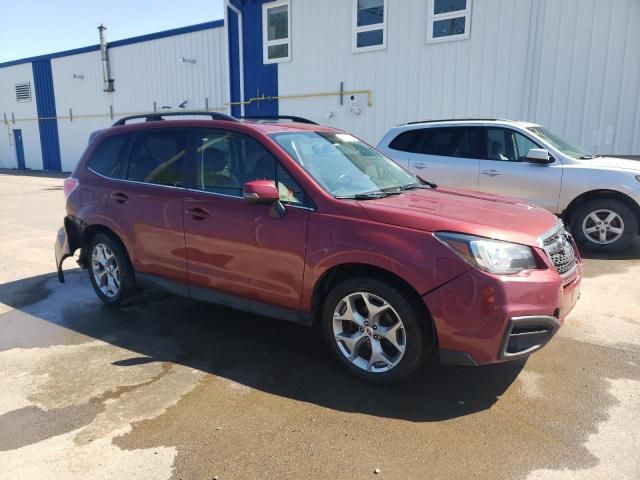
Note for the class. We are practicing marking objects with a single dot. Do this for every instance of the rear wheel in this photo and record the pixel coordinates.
(109, 270)
(604, 225)
(374, 330)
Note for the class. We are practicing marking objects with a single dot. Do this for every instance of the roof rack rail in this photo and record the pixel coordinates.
(462, 119)
(273, 118)
(155, 116)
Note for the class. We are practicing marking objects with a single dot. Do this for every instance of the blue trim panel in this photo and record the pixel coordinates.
(234, 61)
(257, 75)
(120, 43)
(46, 106)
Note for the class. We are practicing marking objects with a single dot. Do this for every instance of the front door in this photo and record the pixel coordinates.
(505, 170)
(240, 254)
(17, 136)
(147, 207)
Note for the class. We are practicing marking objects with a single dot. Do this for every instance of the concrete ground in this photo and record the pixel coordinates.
(171, 388)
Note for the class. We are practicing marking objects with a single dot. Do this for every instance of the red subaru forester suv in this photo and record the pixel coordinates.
(309, 224)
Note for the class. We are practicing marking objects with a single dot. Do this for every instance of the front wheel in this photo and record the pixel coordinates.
(374, 330)
(604, 225)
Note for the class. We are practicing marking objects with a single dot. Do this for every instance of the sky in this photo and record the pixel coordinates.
(36, 27)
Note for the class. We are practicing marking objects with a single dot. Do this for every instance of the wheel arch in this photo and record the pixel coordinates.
(602, 194)
(90, 232)
(338, 273)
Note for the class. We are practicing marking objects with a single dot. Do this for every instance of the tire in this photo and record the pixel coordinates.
(616, 231)
(400, 319)
(108, 263)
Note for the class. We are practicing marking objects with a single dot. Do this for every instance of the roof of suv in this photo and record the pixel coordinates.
(459, 121)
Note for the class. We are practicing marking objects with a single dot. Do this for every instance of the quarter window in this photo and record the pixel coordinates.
(448, 20)
(276, 32)
(227, 160)
(158, 157)
(369, 29)
(107, 159)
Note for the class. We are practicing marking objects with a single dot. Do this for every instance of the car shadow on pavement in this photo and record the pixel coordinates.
(272, 356)
(631, 253)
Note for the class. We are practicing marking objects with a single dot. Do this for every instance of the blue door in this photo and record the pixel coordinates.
(17, 135)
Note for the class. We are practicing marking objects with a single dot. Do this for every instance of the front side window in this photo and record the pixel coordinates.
(107, 159)
(225, 161)
(508, 145)
(369, 30)
(343, 165)
(158, 157)
(448, 20)
(276, 27)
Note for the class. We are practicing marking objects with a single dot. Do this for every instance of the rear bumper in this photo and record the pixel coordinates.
(66, 244)
(482, 318)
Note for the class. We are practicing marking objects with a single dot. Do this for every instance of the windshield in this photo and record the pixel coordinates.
(343, 165)
(560, 144)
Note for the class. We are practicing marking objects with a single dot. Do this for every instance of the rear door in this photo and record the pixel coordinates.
(449, 156)
(146, 207)
(505, 170)
(240, 252)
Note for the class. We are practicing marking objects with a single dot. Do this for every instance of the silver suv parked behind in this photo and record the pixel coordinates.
(599, 197)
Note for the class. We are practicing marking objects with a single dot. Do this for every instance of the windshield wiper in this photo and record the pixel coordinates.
(366, 196)
(589, 157)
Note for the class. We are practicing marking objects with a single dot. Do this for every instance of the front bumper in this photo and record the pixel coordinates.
(482, 318)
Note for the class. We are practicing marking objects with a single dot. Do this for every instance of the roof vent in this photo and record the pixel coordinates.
(23, 92)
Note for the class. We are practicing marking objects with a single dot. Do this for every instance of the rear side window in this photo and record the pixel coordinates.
(108, 158)
(408, 141)
(463, 142)
(158, 157)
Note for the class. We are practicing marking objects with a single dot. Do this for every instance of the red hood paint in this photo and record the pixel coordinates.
(463, 211)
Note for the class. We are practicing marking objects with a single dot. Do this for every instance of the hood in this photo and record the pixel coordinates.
(463, 211)
(612, 163)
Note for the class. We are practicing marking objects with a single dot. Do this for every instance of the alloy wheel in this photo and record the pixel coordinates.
(369, 332)
(603, 226)
(105, 269)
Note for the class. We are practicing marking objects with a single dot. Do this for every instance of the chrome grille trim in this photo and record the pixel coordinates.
(558, 244)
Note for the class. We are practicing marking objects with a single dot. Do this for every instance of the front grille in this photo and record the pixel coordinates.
(560, 249)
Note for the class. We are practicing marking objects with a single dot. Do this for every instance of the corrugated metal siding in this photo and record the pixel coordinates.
(30, 132)
(47, 121)
(588, 73)
(573, 65)
(144, 73)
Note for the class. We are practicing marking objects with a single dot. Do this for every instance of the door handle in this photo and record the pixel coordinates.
(197, 213)
(420, 165)
(491, 173)
(120, 197)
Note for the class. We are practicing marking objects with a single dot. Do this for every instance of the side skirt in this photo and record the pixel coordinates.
(218, 298)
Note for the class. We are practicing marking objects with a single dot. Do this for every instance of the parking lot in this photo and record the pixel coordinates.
(173, 388)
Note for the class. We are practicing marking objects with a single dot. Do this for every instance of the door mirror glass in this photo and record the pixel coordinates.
(538, 155)
(260, 191)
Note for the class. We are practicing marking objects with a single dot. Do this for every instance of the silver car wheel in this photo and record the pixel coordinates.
(105, 269)
(369, 332)
(603, 226)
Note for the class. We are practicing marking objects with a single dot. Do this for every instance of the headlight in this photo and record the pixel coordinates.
(493, 256)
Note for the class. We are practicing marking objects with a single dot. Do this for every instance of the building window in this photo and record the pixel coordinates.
(448, 20)
(369, 25)
(23, 92)
(276, 32)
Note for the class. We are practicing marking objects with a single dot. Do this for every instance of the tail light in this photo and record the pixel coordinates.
(70, 184)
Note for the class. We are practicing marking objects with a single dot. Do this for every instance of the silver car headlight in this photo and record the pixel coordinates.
(494, 256)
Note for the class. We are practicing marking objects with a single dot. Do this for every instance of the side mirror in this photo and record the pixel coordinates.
(264, 192)
(538, 155)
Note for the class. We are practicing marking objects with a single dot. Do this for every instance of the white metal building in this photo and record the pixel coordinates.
(360, 65)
